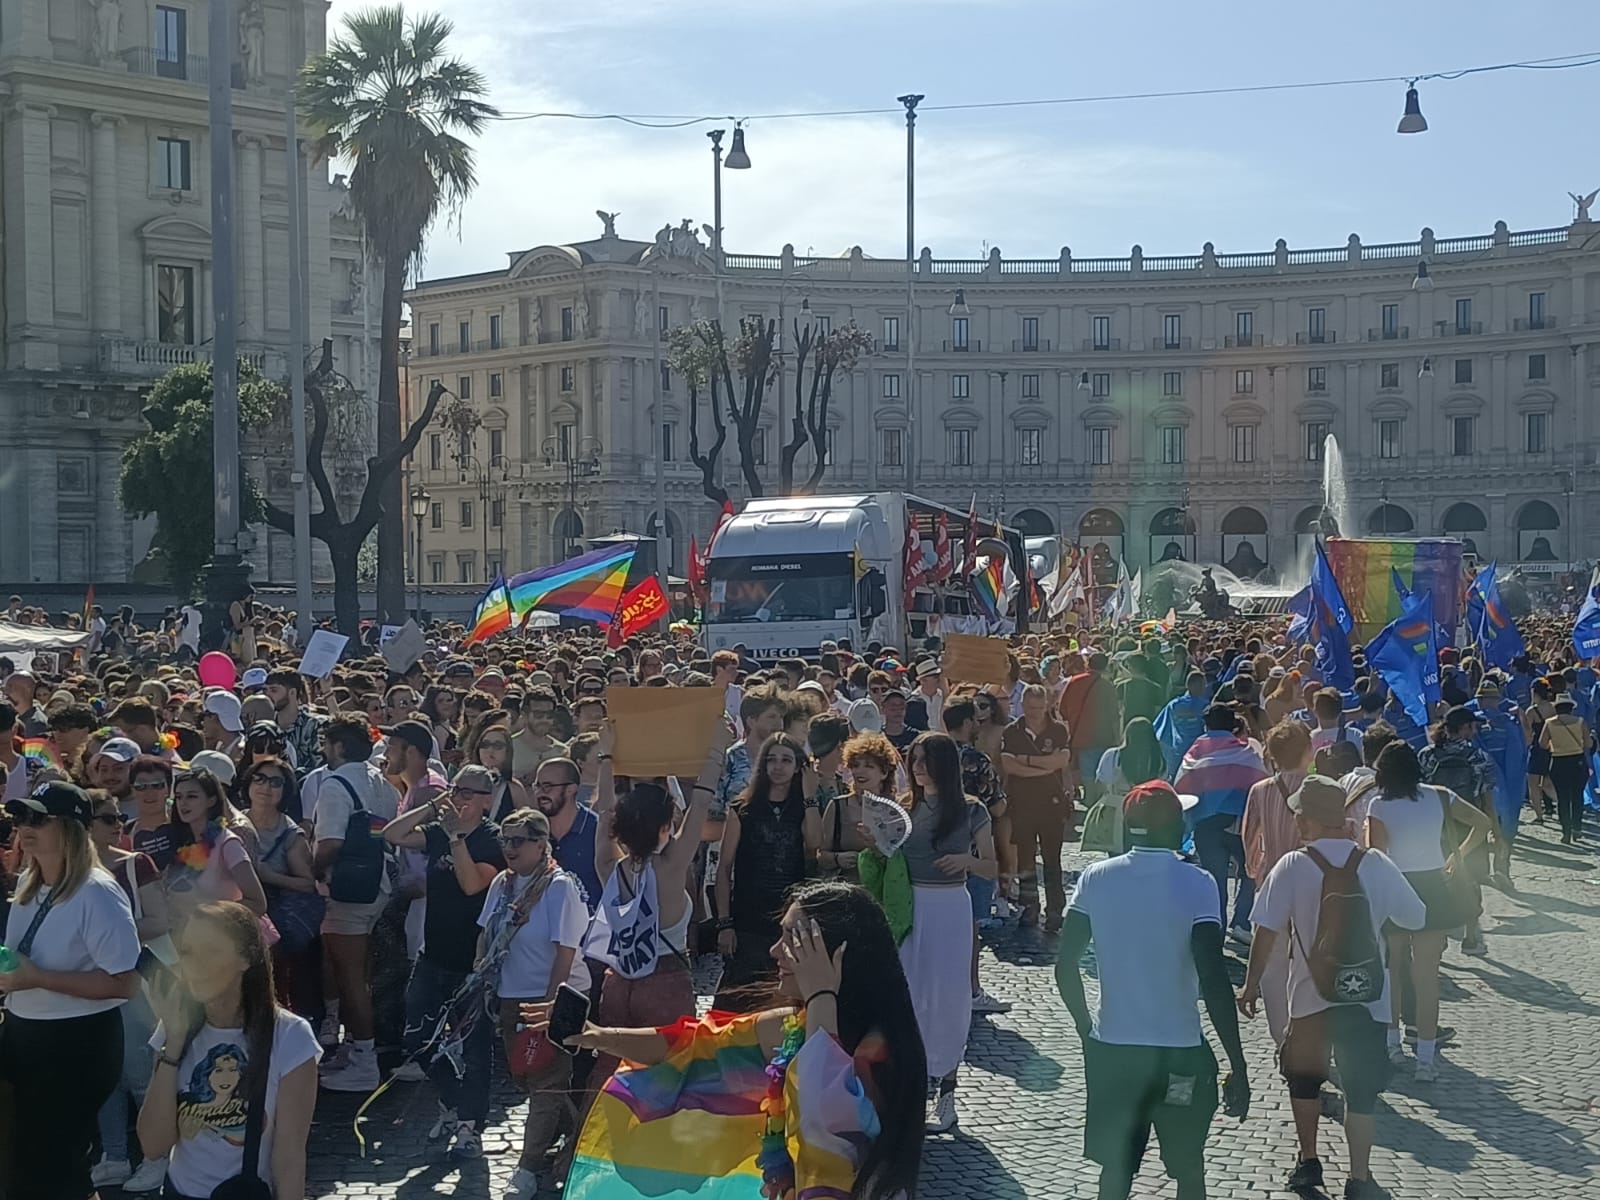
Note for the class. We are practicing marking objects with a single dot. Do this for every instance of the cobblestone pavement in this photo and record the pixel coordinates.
(1514, 1115)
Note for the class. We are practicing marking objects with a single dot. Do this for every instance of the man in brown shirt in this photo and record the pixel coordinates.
(1035, 755)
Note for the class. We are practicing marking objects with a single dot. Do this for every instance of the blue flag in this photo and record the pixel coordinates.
(1400, 588)
(1406, 655)
(1497, 635)
(1586, 632)
(1299, 605)
(1329, 626)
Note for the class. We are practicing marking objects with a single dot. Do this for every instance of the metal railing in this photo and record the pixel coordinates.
(146, 60)
(1031, 345)
(1453, 329)
(1399, 333)
(1166, 343)
(971, 346)
(1108, 344)
(1237, 341)
(1528, 324)
(1306, 338)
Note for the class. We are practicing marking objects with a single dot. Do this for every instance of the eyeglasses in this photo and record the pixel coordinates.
(151, 785)
(275, 782)
(494, 745)
(466, 791)
(111, 819)
(551, 787)
(516, 843)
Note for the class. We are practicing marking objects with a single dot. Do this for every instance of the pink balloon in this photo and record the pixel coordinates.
(217, 670)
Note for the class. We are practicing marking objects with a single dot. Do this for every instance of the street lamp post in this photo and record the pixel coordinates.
(580, 461)
(421, 502)
(911, 100)
(737, 160)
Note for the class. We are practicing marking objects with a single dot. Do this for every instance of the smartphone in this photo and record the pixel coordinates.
(568, 1015)
(153, 971)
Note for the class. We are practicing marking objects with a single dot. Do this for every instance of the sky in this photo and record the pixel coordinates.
(1311, 166)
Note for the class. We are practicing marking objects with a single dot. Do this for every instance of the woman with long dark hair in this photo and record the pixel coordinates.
(223, 1048)
(838, 1048)
(950, 839)
(764, 852)
(72, 931)
(442, 706)
(1138, 760)
(1541, 790)
(487, 743)
(210, 861)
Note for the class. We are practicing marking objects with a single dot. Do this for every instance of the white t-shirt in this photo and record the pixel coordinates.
(1143, 907)
(1290, 899)
(1323, 738)
(377, 796)
(1414, 826)
(211, 1104)
(91, 929)
(559, 918)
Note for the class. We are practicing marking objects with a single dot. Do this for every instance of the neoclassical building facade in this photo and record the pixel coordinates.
(105, 259)
(1138, 400)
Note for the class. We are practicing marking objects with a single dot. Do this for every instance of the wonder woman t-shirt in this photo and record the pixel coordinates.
(211, 1102)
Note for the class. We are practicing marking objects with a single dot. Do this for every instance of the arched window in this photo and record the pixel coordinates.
(1030, 522)
(1244, 542)
(1389, 519)
(567, 533)
(1538, 533)
(1463, 518)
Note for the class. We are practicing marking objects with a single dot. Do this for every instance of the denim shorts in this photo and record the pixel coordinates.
(982, 892)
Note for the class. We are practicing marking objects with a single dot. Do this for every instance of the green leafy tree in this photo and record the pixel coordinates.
(388, 99)
(168, 469)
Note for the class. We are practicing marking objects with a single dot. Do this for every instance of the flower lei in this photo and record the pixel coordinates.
(777, 1166)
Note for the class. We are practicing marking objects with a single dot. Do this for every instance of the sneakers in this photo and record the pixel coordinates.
(1427, 1072)
(468, 1143)
(1397, 1054)
(358, 1073)
(152, 1173)
(944, 1117)
(444, 1125)
(983, 1004)
(524, 1184)
(409, 1071)
(1364, 1189)
(1052, 925)
(1306, 1176)
(328, 1031)
(1442, 1034)
(109, 1172)
(1476, 947)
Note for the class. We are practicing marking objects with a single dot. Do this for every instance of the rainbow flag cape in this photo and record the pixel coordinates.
(585, 588)
(1367, 568)
(42, 750)
(689, 1128)
(988, 586)
(492, 615)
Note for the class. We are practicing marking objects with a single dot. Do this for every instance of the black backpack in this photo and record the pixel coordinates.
(1344, 959)
(1451, 769)
(357, 875)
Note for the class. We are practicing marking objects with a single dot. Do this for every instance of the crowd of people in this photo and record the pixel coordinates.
(226, 897)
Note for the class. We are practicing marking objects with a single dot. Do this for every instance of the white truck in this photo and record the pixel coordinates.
(788, 573)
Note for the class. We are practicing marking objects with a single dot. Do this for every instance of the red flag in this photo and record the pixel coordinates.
(639, 608)
(915, 576)
(969, 547)
(943, 564)
(723, 518)
(697, 571)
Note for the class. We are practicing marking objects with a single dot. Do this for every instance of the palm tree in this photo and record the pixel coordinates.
(386, 99)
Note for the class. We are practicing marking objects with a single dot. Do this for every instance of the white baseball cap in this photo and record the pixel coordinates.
(255, 677)
(225, 707)
(215, 761)
(866, 717)
(119, 749)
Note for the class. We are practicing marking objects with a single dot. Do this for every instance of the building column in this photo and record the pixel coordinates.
(113, 542)
(44, 558)
(107, 242)
(30, 286)
(252, 257)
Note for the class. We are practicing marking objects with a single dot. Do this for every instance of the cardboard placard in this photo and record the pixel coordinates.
(980, 660)
(405, 647)
(322, 653)
(663, 731)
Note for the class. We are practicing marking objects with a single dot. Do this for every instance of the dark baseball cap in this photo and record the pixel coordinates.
(414, 734)
(1461, 716)
(54, 799)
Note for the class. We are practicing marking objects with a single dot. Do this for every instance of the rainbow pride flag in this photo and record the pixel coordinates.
(585, 588)
(42, 750)
(492, 615)
(988, 587)
(1366, 569)
(689, 1128)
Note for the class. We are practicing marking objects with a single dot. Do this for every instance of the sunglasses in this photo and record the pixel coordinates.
(275, 782)
(493, 745)
(151, 785)
(111, 819)
(516, 843)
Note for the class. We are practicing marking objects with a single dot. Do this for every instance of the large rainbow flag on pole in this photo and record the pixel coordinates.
(1367, 568)
(585, 588)
(492, 615)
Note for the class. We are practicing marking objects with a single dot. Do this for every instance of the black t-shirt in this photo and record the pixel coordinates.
(450, 923)
(160, 843)
(902, 741)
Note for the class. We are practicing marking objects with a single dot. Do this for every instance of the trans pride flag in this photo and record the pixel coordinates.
(1367, 569)
(585, 588)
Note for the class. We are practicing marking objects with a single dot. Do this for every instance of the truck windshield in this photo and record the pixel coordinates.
(800, 587)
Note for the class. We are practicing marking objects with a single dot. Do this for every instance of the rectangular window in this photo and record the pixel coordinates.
(666, 442)
(464, 335)
(172, 157)
(663, 319)
(436, 515)
(1389, 439)
(1463, 370)
(172, 42)
(1100, 445)
(436, 570)
(435, 452)
(497, 513)
(1536, 310)
(569, 379)
(1316, 440)
(1172, 444)
(824, 326)
(960, 386)
(1536, 366)
(1100, 384)
(1244, 443)
(1316, 379)
(1102, 332)
(1535, 428)
(1244, 382)
(1391, 320)
(433, 338)
(891, 333)
(1030, 333)
(1244, 327)
(494, 569)
(175, 321)
(1172, 383)
(891, 387)
(494, 331)
(1030, 387)
(497, 386)
(961, 447)
(566, 323)
(1461, 436)
(464, 571)
(566, 436)
(1030, 447)
(1317, 324)
(497, 447)
(464, 386)
(1172, 330)
(666, 377)
(958, 332)
(1389, 375)
(1464, 315)
(758, 448)
(892, 447)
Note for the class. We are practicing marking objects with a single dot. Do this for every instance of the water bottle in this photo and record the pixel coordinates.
(8, 960)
